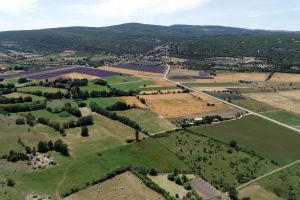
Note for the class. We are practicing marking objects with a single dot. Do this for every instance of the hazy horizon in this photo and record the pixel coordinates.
(38, 14)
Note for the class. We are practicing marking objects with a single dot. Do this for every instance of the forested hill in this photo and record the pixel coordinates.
(185, 40)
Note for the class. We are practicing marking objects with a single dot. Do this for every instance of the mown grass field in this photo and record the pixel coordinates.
(18, 94)
(103, 102)
(284, 117)
(148, 120)
(215, 161)
(254, 105)
(93, 87)
(265, 138)
(59, 104)
(30, 89)
(57, 117)
(285, 183)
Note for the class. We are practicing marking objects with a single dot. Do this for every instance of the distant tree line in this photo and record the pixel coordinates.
(11, 100)
(23, 107)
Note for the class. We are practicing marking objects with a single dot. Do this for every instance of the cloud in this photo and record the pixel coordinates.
(135, 8)
(16, 7)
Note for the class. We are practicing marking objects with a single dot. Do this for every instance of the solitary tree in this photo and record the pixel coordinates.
(137, 133)
(84, 131)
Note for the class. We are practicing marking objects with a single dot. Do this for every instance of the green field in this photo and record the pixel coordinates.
(284, 183)
(214, 161)
(226, 84)
(31, 89)
(148, 120)
(60, 118)
(93, 87)
(284, 117)
(77, 171)
(127, 82)
(253, 105)
(131, 85)
(254, 133)
(18, 94)
(59, 104)
(103, 102)
(10, 133)
(121, 79)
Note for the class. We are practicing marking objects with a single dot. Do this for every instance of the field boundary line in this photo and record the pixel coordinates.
(268, 174)
(231, 104)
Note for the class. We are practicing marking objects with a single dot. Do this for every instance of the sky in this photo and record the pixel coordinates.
(254, 14)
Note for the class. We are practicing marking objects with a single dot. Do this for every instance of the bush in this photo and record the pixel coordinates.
(59, 146)
(177, 180)
(42, 147)
(23, 80)
(82, 104)
(153, 172)
(10, 182)
(119, 106)
(20, 121)
(232, 143)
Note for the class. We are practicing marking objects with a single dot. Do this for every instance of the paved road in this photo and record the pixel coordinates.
(267, 174)
(233, 105)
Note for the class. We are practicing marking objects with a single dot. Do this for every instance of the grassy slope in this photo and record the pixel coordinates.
(210, 159)
(40, 88)
(59, 104)
(264, 137)
(52, 116)
(93, 87)
(102, 101)
(253, 105)
(148, 120)
(284, 183)
(76, 172)
(18, 94)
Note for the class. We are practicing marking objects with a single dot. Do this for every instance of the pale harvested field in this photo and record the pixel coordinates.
(221, 76)
(257, 192)
(85, 111)
(123, 186)
(179, 105)
(216, 89)
(131, 72)
(170, 186)
(79, 76)
(133, 101)
(286, 77)
(236, 76)
(287, 100)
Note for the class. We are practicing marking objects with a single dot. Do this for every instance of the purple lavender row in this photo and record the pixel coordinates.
(83, 70)
(145, 68)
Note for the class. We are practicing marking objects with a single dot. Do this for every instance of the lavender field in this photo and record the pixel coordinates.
(83, 70)
(145, 68)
